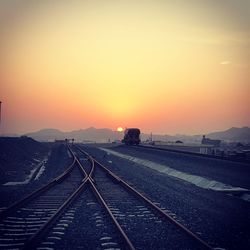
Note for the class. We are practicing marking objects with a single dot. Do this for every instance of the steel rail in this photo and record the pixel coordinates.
(34, 240)
(102, 201)
(158, 209)
(91, 173)
(164, 214)
(80, 166)
(118, 226)
(37, 192)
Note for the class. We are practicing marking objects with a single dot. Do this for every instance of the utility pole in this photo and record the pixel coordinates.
(0, 115)
(0, 111)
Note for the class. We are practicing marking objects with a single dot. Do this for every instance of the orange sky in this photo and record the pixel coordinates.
(163, 67)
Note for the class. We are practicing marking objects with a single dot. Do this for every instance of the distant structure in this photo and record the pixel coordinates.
(207, 141)
(64, 140)
(60, 141)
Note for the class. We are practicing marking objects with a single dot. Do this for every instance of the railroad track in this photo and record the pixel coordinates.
(141, 223)
(23, 224)
(89, 207)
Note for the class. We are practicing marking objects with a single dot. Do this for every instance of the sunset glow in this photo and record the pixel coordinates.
(167, 67)
(119, 129)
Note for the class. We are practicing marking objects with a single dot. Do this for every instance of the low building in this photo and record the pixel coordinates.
(207, 150)
(207, 141)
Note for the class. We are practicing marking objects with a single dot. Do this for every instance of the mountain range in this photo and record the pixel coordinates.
(105, 134)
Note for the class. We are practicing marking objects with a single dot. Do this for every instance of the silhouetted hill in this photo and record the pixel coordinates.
(104, 134)
(46, 134)
(232, 134)
(89, 134)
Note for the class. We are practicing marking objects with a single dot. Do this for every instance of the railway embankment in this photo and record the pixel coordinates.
(19, 157)
(26, 165)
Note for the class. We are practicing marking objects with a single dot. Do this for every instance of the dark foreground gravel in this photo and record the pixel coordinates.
(85, 225)
(219, 219)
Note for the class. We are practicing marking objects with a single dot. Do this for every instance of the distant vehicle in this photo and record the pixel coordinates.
(178, 141)
(132, 136)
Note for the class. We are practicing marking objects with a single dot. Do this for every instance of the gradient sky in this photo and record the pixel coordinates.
(163, 66)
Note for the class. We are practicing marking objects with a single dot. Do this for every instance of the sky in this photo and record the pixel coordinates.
(163, 66)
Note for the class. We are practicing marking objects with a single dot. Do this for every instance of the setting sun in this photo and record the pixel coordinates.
(119, 129)
(164, 67)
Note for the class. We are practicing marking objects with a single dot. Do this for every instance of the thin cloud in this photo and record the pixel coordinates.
(225, 62)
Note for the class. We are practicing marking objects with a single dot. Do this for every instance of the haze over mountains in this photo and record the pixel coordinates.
(105, 134)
